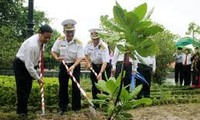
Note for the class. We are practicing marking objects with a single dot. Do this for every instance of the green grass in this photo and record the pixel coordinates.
(165, 94)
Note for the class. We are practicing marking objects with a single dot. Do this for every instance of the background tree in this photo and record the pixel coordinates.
(9, 45)
(193, 30)
(194, 33)
(13, 24)
(164, 58)
(14, 15)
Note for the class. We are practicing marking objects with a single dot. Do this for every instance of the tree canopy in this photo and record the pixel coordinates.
(13, 26)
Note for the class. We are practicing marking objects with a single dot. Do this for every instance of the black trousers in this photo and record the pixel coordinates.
(195, 78)
(187, 74)
(179, 73)
(146, 71)
(23, 84)
(94, 80)
(128, 72)
(63, 88)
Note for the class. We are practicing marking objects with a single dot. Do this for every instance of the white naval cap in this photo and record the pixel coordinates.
(94, 33)
(69, 24)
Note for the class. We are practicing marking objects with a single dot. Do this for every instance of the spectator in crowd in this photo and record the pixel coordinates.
(196, 68)
(187, 67)
(123, 61)
(146, 67)
(179, 66)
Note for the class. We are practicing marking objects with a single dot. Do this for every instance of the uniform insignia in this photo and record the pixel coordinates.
(78, 41)
(101, 46)
(61, 38)
(89, 42)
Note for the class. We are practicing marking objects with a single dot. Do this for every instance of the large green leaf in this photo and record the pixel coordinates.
(122, 48)
(102, 96)
(101, 85)
(152, 30)
(127, 115)
(145, 101)
(140, 11)
(108, 23)
(111, 85)
(134, 93)
(119, 16)
(118, 79)
(99, 101)
(130, 47)
(147, 48)
(127, 106)
(110, 37)
(124, 96)
(132, 38)
(132, 21)
(111, 108)
(143, 25)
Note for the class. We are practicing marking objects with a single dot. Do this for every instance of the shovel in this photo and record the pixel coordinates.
(91, 107)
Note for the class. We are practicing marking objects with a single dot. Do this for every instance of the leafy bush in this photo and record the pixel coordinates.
(164, 58)
(162, 94)
(8, 92)
(126, 101)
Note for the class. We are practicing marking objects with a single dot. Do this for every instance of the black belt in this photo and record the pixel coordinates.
(144, 66)
(120, 62)
(21, 62)
(69, 64)
(97, 65)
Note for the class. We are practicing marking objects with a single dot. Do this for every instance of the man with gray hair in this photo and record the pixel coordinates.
(70, 50)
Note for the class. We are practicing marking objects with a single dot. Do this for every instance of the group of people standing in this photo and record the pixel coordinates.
(187, 67)
(70, 50)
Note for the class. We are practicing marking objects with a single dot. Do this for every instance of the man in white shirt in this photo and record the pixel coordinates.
(146, 66)
(129, 65)
(179, 66)
(187, 67)
(26, 60)
(70, 50)
(97, 57)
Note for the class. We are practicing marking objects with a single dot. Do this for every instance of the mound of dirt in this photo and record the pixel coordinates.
(168, 112)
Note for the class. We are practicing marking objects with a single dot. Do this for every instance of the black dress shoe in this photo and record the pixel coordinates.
(61, 111)
(23, 117)
(76, 109)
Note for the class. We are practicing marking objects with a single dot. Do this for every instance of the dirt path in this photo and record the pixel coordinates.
(164, 112)
(168, 112)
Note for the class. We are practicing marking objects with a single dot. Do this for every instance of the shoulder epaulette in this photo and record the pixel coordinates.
(90, 41)
(78, 41)
(101, 46)
(61, 38)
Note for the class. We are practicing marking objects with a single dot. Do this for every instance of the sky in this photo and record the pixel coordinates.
(174, 15)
